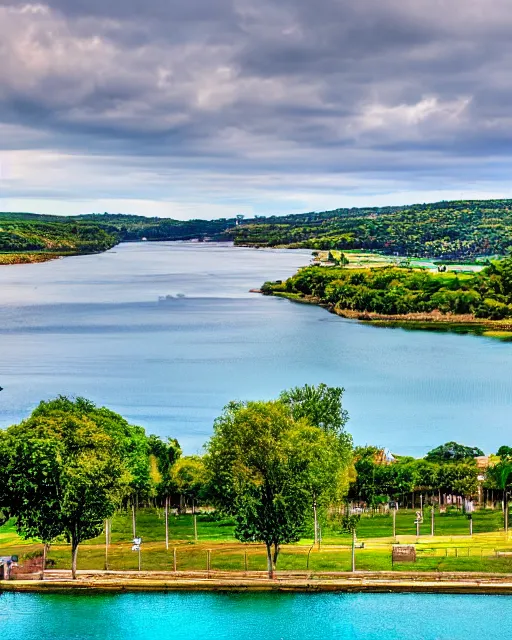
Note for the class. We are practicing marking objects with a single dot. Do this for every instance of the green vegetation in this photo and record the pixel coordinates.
(29, 233)
(394, 291)
(449, 230)
(458, 230)
(40, 235)
(280, 477)
(270, 466)
(451, 549)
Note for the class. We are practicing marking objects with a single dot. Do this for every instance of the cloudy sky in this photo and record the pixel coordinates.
(207, 108)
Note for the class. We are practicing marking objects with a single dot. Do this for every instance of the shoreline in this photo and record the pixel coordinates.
(420, 321)
(358, 582)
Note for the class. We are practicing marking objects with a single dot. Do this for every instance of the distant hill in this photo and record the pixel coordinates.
(458, 230)
(449, 230)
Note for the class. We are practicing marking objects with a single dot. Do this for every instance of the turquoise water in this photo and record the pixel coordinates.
(95, 326)
(274, 616)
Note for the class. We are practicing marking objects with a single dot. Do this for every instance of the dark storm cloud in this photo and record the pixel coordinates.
(407, 91)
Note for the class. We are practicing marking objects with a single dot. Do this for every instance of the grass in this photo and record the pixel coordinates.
(451, 549)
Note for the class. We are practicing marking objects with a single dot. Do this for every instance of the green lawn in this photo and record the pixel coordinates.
(451, 549)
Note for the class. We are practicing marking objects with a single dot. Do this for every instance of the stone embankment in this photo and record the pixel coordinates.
(377, 582)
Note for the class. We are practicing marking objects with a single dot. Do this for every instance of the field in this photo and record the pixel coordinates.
(451, 549)
(362, 259)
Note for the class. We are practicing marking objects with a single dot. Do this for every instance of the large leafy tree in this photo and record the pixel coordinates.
(68, 466)
(453, 452)
(262, 463)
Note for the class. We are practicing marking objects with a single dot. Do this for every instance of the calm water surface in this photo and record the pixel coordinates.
(94, 326)
(254, 616)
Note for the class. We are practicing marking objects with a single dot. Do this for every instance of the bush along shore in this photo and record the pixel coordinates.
(400, 296)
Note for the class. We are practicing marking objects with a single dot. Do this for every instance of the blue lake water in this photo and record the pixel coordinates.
(94, 326)
(198, 616)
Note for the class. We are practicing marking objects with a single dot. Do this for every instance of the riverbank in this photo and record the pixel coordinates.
(433, 321)
(26, 258)
(357, 582)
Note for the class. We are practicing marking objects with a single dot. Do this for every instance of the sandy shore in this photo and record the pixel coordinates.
(373, 582)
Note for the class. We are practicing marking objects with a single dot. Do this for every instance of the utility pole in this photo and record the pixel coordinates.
(167, 523)
(505, 504)
(107, 535)
(353, 549)
(315, 517)
(195, 520)
(394, 523)
(432, 521)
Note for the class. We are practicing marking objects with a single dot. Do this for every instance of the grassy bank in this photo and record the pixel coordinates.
(26, 258)
(451, 549)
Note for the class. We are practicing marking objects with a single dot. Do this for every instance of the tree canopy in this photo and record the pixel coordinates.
(453, 452)
(67, 468)
(263, 464)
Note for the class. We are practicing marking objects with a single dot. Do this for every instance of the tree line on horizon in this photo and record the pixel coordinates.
(274, 467)
(460, 230)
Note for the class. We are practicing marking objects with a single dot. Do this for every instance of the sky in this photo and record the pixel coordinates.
(210, 108)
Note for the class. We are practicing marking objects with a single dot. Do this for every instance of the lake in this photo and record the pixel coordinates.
(253, 616)
(100, 326)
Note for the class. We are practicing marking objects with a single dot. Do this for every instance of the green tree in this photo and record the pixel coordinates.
(262, 463)
(189, 476)
(66, 473)
(453, 452)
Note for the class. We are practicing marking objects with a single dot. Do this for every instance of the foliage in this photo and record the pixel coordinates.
(320, 405)
(263, 464)
(453, 452)
(402, 291)
(190, 477)
(68, 466)
(449, 230)
(378, 480)
(163, 455)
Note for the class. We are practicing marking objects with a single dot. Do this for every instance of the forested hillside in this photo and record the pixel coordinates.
(27, 232)
(24, 233)
(449, 230)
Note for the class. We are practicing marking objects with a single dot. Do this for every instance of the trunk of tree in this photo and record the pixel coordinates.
(275, 556)
(353, 550)
(270, 564)
(46, 546)
(167, 522)
(505, 509)
(106, 543)
(195, 520)
(74, 554)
